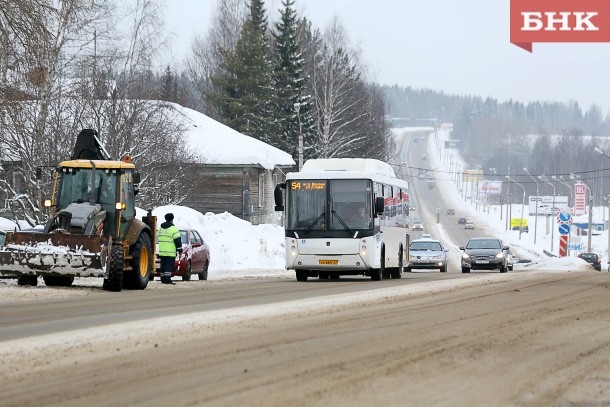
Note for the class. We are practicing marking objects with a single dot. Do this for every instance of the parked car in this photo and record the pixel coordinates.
(469, 225)
(195, 257)
(525, 229)
(427, 254)
(450, 212)
(592, 259)
(484, 253)
(417, 225)
(462, 221)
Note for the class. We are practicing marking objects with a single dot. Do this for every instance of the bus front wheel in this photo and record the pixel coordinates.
(302, 275)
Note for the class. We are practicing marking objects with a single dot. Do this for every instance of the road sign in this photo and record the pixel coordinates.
(565, 216)
(575, 246)
(564, 229)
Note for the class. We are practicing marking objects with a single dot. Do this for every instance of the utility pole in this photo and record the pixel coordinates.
(297, 109)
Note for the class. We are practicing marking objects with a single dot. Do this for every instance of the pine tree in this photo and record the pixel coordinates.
(292, 106)
(168, 83)
(244, 80)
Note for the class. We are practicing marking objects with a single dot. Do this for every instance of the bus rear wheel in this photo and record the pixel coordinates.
(397, 272)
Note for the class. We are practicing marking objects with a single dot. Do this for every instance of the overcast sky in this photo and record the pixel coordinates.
(447, 45)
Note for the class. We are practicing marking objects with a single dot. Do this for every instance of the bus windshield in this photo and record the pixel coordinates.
(337, 204)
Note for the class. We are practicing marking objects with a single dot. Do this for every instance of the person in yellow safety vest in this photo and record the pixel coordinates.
(169, 244)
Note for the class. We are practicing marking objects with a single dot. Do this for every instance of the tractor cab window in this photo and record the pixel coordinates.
(78, 187)
(127, 194)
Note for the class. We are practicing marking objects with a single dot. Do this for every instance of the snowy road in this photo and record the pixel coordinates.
(522, 338)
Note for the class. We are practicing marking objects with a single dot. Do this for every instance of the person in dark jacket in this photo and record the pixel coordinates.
(169, 244)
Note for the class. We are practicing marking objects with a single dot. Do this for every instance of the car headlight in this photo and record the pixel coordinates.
(436, 257)
(500, 255)
(412, 257)
(465, 256)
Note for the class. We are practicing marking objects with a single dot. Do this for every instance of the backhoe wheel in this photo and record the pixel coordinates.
(141, 260)
(204, 274)
(114, 282)
(187, 273)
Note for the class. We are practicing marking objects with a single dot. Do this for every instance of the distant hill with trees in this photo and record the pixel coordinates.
(544, 136)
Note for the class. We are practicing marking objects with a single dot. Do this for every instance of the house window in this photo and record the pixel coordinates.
(261, 189)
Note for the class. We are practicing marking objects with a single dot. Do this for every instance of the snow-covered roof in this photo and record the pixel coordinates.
(215, 143)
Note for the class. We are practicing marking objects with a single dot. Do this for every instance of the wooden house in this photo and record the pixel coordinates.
(232, 172)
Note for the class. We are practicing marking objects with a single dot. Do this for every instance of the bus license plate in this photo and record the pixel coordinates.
(328, 262)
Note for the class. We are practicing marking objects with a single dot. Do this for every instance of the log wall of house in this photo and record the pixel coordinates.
(234, 189)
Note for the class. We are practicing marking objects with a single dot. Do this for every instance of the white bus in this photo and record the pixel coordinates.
(345, 216)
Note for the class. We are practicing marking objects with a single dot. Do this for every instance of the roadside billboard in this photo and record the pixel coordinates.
(545, 204)
(489, 188)
(473, 175)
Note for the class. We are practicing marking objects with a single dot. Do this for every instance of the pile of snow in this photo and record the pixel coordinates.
(565, 264)
(235, 244)
(6, 224)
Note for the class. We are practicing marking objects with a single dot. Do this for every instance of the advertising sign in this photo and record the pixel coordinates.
(473, 175)
(545, 205)
(489, 188)
(580, 199)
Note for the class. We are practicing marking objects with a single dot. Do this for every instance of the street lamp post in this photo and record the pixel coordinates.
(599, 151)
(545, 179)
(297, 109)
(522, 204)
(537, 197)
(561, 181)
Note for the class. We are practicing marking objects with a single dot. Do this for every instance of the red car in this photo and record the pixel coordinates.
(195, 257)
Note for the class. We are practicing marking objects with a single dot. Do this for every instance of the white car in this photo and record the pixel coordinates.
(469, 225)
(427, 254)
(417, 225)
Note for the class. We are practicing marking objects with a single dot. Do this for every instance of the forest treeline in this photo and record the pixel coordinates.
(502, 138)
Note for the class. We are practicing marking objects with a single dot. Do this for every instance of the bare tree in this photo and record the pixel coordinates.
(337, 87)
(208, 49)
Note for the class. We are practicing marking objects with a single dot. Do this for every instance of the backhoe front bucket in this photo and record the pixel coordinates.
(53, 254)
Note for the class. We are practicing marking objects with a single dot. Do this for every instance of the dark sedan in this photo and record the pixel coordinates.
(592, 259)
(195, 257)
(484, 253)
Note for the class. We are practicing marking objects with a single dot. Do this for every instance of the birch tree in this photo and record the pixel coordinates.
(336, 80)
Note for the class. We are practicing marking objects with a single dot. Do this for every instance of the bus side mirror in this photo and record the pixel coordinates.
(278, 196)
(379, 205)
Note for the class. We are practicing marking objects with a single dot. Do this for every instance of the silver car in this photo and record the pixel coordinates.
(427, 254)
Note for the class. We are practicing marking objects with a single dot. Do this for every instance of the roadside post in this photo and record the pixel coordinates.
(565, 219)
